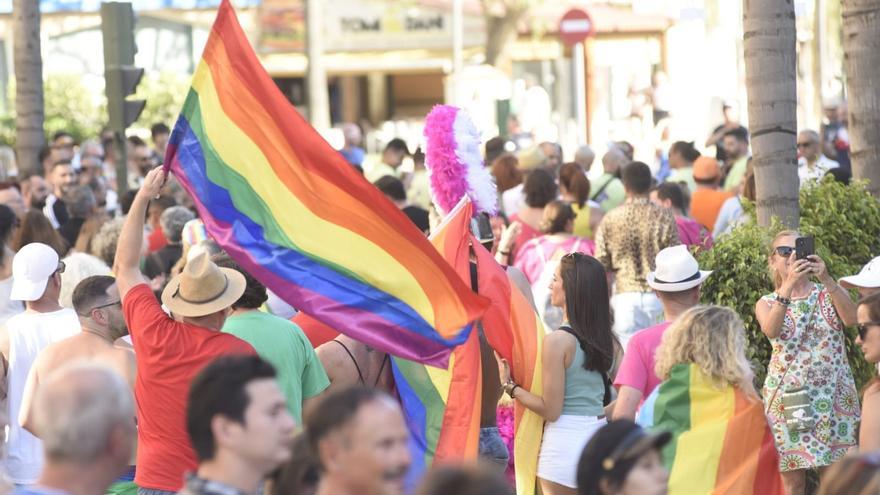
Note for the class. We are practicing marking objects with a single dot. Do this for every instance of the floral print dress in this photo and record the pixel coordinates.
(818, 362)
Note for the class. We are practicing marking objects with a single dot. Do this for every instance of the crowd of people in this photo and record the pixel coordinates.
(139, 357)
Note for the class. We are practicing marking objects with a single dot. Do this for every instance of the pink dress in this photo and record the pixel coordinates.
(534, 254)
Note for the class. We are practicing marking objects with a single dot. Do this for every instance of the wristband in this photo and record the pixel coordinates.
(512, 390)
(509, 387)
(785, 301)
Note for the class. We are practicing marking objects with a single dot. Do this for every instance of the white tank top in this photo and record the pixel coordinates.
(29, 333)
(8, 307)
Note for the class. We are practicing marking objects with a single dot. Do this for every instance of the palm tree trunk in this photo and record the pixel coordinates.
(861, 61)
(28, 84)
(502, 20)
(771, 85)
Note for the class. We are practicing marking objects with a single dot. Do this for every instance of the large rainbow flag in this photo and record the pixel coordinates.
(296, 215)
(721, 444)
(442, 406)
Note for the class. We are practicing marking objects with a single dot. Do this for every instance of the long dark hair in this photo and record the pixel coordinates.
(8, 222)
(873, 304)
(588, 309)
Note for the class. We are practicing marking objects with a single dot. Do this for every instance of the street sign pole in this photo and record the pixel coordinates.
(575, 27)
(580, 90)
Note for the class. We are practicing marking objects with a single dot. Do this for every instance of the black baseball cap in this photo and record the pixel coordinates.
(618, 441)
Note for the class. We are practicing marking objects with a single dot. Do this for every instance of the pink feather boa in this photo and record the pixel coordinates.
(453, 160)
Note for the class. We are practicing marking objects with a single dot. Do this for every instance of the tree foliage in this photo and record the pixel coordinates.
(165, 93)
(846, 224)
(74, 107)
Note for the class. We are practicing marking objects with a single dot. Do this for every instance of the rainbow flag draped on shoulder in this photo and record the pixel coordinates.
(442, 406)
(297, 216)
(721, 443)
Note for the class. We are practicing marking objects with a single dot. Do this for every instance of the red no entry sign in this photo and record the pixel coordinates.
(575, 26)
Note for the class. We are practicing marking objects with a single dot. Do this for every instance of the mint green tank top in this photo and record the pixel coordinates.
(584, 390)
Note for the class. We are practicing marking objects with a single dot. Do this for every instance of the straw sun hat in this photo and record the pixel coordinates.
(203, 288)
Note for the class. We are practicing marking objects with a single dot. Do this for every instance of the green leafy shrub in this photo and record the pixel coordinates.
(846, 224)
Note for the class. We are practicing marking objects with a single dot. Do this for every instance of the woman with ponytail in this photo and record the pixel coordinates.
(681, 158)
(576, 361)
(574, 187)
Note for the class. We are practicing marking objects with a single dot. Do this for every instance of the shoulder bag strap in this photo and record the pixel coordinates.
(599, 191)
(800, 348)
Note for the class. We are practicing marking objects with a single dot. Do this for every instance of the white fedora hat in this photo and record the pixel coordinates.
(867, 278)
(676, 270)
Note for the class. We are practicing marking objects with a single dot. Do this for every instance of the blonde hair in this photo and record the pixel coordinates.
(774, 275)
(712, 338)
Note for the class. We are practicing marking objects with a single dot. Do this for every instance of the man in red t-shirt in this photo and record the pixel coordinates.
(170, 352)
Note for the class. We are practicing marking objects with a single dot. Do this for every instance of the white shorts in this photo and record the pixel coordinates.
(564, 440)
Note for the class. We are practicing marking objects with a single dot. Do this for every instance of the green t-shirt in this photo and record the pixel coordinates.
(685, 175)
(283, 343)
(610, 196)
(737, 173)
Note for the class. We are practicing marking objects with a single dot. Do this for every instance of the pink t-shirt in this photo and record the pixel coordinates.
(534, 254)
(693, 234)
(637, 368)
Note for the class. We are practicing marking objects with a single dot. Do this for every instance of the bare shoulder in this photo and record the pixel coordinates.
(46, 358)
(330, 354)
(122, 360)
(559, 341)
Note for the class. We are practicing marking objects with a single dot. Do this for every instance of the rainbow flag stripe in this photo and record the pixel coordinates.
(293, 213)
(442, 406)
(514, 329)
(722, 443)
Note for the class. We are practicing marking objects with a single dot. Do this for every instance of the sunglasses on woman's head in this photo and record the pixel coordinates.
(784, 251)
(864, 327)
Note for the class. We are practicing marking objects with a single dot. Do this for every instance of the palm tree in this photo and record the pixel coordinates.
(861, 61)
(771, 79)
(28, 84)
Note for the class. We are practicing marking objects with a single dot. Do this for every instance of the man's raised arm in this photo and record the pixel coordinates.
(128, 250)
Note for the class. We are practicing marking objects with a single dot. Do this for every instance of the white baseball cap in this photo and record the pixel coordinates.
(868, 277)
(676, 270)
(32, 266)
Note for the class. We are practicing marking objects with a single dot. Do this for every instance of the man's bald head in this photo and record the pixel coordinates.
(613, 161)
(84, 412)
(584, 156)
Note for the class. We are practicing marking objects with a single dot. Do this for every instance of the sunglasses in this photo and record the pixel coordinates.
(784, 251)
(61, 267)
(102, 306)
(864, 327)
(804, 145)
